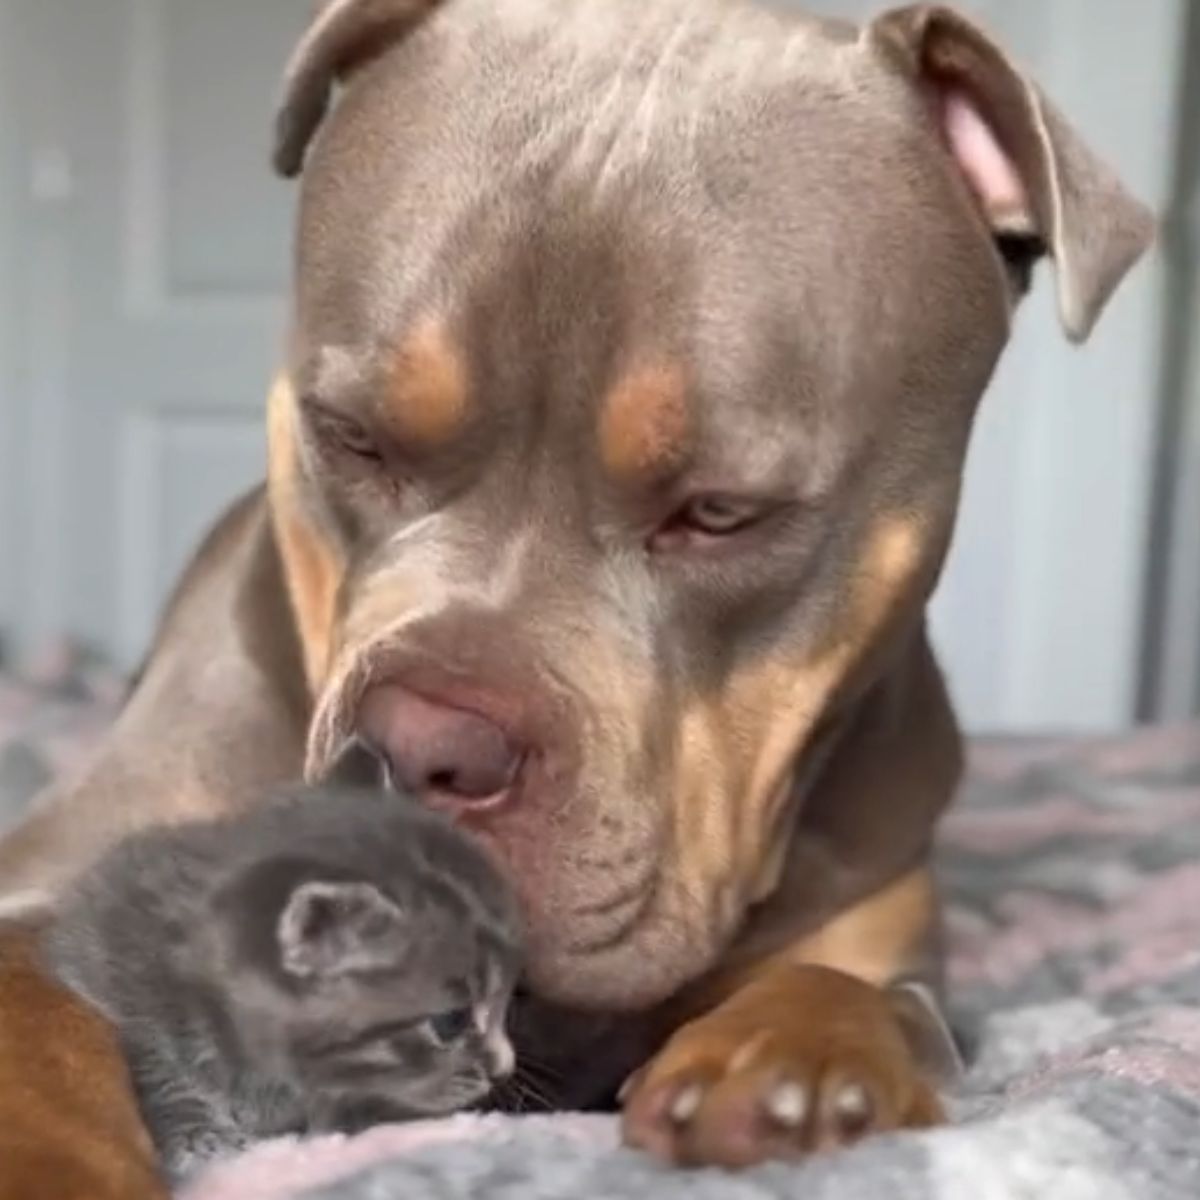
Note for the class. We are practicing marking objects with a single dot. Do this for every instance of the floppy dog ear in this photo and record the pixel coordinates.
(1041, 189)
(345, 34)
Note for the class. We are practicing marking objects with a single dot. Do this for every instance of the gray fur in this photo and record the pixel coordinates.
(273, 972)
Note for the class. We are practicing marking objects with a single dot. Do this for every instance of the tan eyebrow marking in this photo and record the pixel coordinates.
(428, 397)
(645, 423)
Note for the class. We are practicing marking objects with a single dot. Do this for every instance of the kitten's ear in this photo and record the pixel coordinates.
(337, 928)
(357, 765)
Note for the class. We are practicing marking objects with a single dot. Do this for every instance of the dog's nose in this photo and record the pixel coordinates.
(438, 751)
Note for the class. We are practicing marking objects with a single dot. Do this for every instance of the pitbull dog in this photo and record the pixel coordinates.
(636, 347)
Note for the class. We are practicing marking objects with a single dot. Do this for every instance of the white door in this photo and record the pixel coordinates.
(150, 284)
(148, 244)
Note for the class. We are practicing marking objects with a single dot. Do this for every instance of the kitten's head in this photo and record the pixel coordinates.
(375, 1000)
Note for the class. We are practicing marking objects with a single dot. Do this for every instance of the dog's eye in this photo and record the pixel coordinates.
(707, 517)
(354, 439)
(717, 515)
(346, 434)
(447, 1027)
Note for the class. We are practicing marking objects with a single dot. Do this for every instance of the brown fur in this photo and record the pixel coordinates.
(311, 565)
(69, 1127)
(644, 424)
(427, 401)
(882, 938)
(827, 1033)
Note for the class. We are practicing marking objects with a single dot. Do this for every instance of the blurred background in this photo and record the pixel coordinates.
(143, 273)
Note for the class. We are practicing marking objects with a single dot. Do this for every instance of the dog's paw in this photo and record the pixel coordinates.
(805, 1060)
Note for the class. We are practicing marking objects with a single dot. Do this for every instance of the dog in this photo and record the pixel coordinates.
(635, 350)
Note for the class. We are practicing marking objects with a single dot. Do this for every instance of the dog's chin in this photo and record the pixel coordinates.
(645, 968)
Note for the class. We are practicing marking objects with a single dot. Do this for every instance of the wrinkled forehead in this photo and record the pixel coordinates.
(725, 200)
(491, 123)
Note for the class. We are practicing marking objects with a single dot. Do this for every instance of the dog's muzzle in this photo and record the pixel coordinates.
(449, 757)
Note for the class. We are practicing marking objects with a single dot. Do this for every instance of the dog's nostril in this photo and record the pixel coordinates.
(439, 751)
(478, 765)
(479, 781)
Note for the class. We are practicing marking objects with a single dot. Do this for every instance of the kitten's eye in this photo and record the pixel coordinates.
(449, 1026)
(705, 518)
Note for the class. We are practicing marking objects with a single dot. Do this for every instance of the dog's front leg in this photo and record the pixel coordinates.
(810, 1051)
(69, 1122)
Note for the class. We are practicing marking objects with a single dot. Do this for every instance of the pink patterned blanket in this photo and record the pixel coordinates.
(1073, 873)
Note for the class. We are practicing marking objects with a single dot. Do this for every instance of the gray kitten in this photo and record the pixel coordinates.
(331, 959)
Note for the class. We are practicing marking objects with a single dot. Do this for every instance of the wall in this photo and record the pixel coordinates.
(1040, 614)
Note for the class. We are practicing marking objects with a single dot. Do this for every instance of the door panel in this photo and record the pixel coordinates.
(155, 282)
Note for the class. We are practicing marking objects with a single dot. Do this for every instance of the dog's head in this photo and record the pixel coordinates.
(636, 348)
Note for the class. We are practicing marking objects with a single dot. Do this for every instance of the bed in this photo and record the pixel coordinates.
(1072, 869)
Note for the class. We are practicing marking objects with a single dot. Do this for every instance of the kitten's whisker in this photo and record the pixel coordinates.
(544, 1080)
(533, 1090)
(535, 1068)
(510, 1096)
(518, 1092)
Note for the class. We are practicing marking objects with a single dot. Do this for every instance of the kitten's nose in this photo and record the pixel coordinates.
(443, 754)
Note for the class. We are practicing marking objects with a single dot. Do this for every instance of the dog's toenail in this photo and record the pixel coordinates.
(627, 1087)
(686, 1104)
(787, 1105)
(853, 1108)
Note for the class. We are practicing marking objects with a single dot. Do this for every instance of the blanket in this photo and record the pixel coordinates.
(1072, 871)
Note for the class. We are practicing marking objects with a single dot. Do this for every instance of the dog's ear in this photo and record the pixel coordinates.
(344, 35)
(1039, 186)
(330, 929)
